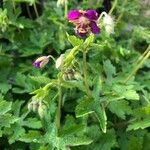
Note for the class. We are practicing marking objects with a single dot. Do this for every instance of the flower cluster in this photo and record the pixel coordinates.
(84, 21)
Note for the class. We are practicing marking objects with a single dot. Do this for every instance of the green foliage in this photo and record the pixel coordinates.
(99, 96)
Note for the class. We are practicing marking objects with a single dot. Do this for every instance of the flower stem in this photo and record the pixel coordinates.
(50, 56)
(58, 117)
(35, 9)
(141, 57)
(28, 11)
(122, 13)
(85, 74)
(113, 7)
(119, 18)
(139, 65)
(14, 5)
(66, 9)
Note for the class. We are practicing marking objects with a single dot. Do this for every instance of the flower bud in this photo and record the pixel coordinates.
(59, 61)
(71, 74)
(77, 76)
(42, 110)
(35, 106)
(41, 61)
(108, 23)
(30, 106)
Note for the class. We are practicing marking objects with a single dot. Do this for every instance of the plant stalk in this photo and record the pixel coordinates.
(121, 15)
(59, 104)
(66, 9)
(139, 65)
(113, 7)
(35, 9)
(142, 56)
(86, 74)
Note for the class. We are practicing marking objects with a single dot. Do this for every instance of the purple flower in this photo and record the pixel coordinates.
(84, 21)
(41, 61)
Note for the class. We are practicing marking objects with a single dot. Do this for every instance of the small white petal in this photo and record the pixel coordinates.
(108, 23)
(59, 61)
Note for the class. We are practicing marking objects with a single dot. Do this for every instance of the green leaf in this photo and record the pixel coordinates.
(33, 123)
(4, 106)
(40, 79)
(141, 112)
(76, 141)
(131, 95)
(97, 87)
(16, 107)
(109, 69)
(5, 87)
(17, 132)
(1, 133)
(88, 106)
(89, 40)
(74, 40)
(126, 91)
(85, 107)
(120, 108)
(7, 119)
(73, 84)
(135, 143)
(31, 136)
(101, 115)
(71, 56)
(71, 127)
(107, 140)
(139, 124)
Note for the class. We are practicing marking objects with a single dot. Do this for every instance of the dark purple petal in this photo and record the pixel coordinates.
(36, 64)
(91, 15)
(73, 14)
(94, 28)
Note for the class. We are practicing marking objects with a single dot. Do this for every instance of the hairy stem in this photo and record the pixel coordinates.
(28, 11)
(141, 56)
(113, 7)
(35, 9)
(119, 18)
(66, 9)
(139, 65)
(121, 15)
(14, 5)
(59, 105)
(86, 75)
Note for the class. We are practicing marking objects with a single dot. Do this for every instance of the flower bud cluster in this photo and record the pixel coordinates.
(38, 106)
(71, 74)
